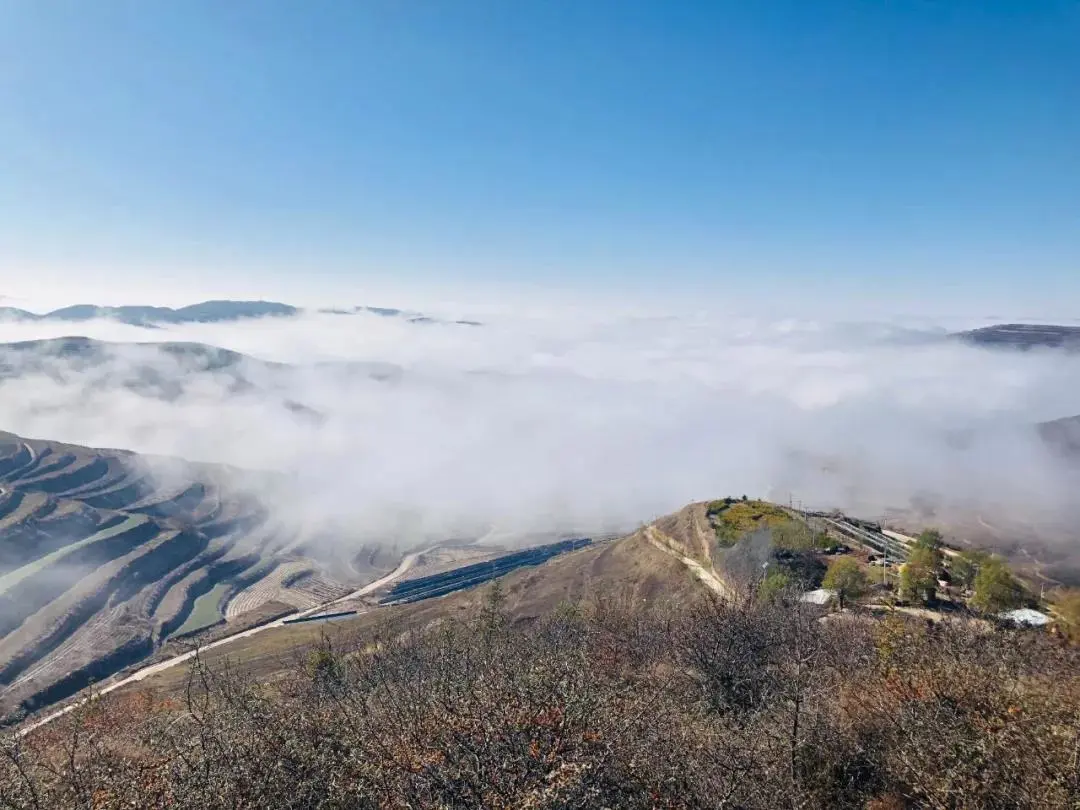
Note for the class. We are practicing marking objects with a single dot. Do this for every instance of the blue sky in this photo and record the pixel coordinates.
(871, 149)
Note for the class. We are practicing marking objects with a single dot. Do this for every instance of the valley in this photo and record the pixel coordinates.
(105, 556)
(108, 558)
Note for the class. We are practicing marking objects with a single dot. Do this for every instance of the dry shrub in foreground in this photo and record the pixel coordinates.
(599, 705)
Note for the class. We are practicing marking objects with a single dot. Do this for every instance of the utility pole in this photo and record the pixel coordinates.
(885, 548)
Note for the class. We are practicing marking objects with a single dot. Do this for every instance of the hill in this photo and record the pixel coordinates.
(205, 312)
(170, 370)
(106, 555)
(1023, 337)
(675, 560)
(606, 677)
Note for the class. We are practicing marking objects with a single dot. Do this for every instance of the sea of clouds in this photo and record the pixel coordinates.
(581, 420)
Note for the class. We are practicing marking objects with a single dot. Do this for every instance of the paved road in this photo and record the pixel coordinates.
(168, 663)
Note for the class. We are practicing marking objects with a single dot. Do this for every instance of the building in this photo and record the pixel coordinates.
(1025, 617)
(822, 596)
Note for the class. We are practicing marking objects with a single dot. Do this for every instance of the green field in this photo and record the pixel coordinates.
(206, 611)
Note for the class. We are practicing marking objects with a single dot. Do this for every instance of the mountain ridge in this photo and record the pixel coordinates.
(213, 311)
(1023, 336)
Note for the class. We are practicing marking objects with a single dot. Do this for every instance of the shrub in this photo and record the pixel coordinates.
(918, 576)
(773, 585)
(1067, 606)
(965, 566)
(846, 577)
(929, 539)
(733, 519)
(606, 704)
(996, 589)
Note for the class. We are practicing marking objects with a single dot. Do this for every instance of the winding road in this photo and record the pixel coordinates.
(406, 563)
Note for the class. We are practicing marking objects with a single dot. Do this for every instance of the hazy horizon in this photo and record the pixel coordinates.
(579, 420)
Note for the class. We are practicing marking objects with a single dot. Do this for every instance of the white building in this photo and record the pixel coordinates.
(1025, 617)
(822, 596)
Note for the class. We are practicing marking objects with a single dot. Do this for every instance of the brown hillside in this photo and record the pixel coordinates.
(631, 568)
(690, 529)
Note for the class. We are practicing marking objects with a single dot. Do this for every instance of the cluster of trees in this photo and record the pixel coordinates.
(844, 575)
(795, 535)
(919, 575)
(847, 578)
(614, 703)
(993, 585)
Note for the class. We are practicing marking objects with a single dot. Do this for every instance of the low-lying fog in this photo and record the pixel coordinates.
(584, 421)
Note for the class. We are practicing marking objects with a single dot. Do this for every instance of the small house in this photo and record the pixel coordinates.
(1025, 617)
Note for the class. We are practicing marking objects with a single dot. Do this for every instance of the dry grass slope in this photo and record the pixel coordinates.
(608, 703)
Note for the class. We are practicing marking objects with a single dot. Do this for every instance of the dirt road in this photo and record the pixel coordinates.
(168, 663)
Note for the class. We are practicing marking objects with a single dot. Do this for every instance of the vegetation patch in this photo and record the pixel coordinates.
(610, 703)
(795, 535)
(206, 611)
(732, 518)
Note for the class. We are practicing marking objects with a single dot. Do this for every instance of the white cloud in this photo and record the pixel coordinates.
(588, 420)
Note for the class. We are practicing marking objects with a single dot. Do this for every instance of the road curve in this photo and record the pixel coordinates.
(406, 563)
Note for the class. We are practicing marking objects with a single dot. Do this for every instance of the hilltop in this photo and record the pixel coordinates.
(1022, 336)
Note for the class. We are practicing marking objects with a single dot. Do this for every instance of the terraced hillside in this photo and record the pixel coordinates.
(104, 555)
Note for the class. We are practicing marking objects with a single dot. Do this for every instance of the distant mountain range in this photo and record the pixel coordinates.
(170, 370)
(390, 312)
(1023, 336)
(206, 312)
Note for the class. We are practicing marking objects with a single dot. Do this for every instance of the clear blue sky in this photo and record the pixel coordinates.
(849, 145)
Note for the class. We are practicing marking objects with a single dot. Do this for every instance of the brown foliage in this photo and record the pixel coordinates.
(744, 705)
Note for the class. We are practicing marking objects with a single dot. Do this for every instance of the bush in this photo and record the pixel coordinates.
(996, 589)
(929, 539)
(919, 575)
(1067, 606)
(794, 535)
(745, 704)
(847, 578)
(965, 566)
(773, 585)
(733, 519)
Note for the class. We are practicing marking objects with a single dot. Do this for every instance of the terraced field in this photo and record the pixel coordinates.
(206, 611)
(105, 554)
(270, 588)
